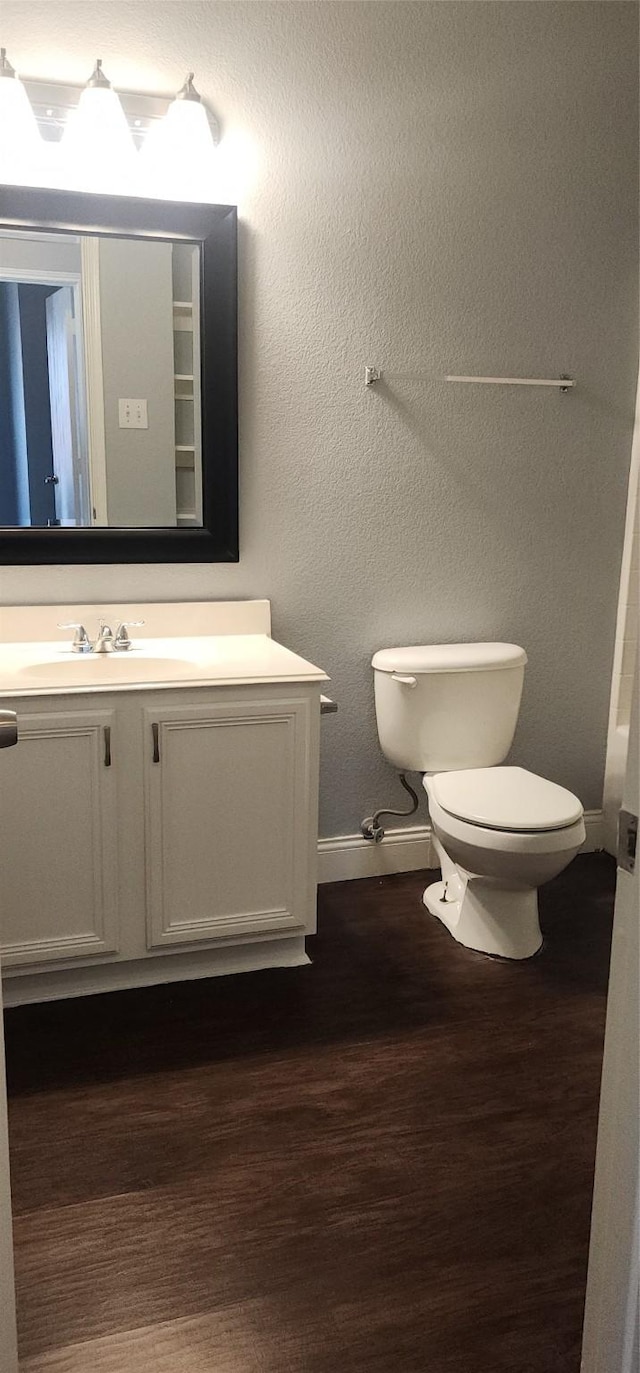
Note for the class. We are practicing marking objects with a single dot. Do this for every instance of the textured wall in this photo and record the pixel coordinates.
(430, 188)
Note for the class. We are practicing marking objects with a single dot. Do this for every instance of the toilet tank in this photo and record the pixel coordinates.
(445, 706)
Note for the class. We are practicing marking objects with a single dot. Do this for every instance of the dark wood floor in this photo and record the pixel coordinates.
(383, 1162)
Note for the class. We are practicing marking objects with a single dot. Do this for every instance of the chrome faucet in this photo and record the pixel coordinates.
(106, 641)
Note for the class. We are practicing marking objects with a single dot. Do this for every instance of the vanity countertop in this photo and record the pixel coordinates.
(52, 669)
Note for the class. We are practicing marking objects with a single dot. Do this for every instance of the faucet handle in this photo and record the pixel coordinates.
(81, 642)
(122, 639)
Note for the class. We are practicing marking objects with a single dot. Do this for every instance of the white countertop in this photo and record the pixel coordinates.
(51, 669)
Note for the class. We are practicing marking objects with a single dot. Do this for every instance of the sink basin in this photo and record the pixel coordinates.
(48, 667)
(76, 669)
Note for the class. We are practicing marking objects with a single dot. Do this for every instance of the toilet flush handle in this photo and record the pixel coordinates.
(406, 681)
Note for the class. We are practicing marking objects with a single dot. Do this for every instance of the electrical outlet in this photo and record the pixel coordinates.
(132, 414)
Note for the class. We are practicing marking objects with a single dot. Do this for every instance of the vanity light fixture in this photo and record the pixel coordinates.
(19, 137)
(106, 141)
(182, 144)
(97, 146)
(188, 114)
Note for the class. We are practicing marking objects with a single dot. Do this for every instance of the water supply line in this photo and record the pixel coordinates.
(371, 827)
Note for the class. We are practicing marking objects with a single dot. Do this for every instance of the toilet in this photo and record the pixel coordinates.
(450, 712)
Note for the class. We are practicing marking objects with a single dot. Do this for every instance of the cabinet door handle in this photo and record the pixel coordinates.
(107, 746)
(8, 728)
(155, 730)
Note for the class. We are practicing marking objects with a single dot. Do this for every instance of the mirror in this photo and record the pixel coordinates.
(109, 326)
(118, 407)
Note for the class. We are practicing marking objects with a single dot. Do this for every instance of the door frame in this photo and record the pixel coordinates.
(8, 1329)
(8, 1326)
(39, 276)
(87, 310)
(89, 400)
(93, 378)
(67, 401)
(612, 1310)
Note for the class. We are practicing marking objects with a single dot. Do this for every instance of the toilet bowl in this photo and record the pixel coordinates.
(450, 712)
(499, 833)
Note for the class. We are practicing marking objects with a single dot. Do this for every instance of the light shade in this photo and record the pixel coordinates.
(179, 154)
(20, 141)
(97, 148)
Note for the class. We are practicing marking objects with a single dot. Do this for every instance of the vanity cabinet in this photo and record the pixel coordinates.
(226, 804)
(58, 821)
(167, 834)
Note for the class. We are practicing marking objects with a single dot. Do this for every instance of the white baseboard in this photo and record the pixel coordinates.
(347, 856)
(594, 825)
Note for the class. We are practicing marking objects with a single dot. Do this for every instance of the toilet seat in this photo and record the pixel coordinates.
(525, 843)
(507, 800)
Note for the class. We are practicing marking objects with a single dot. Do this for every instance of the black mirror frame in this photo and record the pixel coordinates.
(214, 227)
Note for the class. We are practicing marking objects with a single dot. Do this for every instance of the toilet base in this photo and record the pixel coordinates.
(491, 919)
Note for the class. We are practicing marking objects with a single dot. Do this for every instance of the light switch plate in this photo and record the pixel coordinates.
(132, 414)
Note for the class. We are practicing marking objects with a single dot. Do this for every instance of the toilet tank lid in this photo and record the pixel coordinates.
(449, 658)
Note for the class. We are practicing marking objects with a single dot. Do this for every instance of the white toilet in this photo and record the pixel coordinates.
(450, 712)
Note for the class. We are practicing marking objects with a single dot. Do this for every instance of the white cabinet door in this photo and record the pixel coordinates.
(58, 823)
(230, 807)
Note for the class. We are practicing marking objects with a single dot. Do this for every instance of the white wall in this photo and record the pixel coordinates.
(136, 319)
(44, 254)
(430, 188)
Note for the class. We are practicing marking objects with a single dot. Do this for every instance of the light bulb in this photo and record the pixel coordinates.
(179, 153)
(97, 148)
(21, 146)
